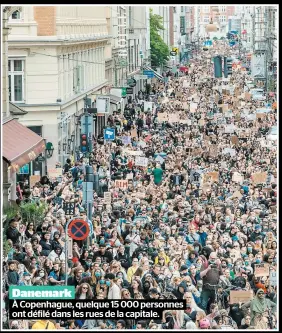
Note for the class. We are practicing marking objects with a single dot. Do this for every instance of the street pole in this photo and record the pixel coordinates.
(87, 129)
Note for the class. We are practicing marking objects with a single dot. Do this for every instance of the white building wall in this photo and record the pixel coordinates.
(50, 69)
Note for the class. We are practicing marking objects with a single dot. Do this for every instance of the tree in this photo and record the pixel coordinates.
(159, 49)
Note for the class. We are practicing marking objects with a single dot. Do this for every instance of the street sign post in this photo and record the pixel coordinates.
(78, 229)
(150, 74)
(69, 208)
(109, 134)
(129, 91)
(131, 82)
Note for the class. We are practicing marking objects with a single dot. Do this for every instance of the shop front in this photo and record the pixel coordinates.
(22, 157)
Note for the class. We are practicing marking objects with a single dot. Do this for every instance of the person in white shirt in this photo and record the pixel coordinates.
(57, 253)
(113, 289)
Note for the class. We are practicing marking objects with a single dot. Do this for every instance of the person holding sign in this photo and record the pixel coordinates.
(260, 307)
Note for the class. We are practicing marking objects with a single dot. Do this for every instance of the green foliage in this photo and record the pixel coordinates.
(6, 247)
(159, 49)
(33, 212)
(10, 211)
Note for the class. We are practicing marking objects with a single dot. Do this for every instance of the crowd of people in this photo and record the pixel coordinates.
(195, 219)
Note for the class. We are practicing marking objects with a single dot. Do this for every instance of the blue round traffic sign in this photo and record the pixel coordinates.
(78, 229)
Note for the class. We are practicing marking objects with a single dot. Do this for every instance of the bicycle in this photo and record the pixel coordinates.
(220, 297)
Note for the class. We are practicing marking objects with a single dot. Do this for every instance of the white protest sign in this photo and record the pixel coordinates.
(107, 198)
(273, 278)
(185, 84)
(148, 105)
(237, 178)
(159, 159)
(230, 151)
(133, 152)
(193, 107)
(141, 161)
(229, 128)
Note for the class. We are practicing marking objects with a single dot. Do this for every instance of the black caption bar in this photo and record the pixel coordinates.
(91, 309)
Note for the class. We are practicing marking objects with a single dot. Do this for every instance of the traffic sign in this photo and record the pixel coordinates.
(78, 229)
(109, 134)
(175, 49)
(140, 77)
(150, 74)
(173, 53)
(129, 91)
(131, 82)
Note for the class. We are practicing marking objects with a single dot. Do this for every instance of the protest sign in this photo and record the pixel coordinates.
(159, 159)
(234, 139)
(250, 117)
(148, 106)
(260, 115)
(185, 84)
(237, 178)
(193, 107)
(173, 118)
(163, 116)
(247, 96)
(236, 194)
(142, 144)
(185, 106)
(133, 133)
(273, 278)
(230, 151)
(240, 296)
(55, 172)
(141, 161)
(229, 129)
(259, 177)
(121, 183)
(261, 270)
(129, 176)
(140, 195)
(126, 140)
(33, 180)
(211, 176)
(133, 152)
(107, 198)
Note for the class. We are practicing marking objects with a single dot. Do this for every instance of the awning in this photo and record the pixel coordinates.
(20, 144)
(114, 99)
(157, 75)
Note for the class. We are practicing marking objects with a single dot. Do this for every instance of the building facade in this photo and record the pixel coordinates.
(56, 57)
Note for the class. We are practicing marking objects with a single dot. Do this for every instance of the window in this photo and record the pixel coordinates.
(206, 19)
(16, 80)
(222, 18)
(182, 9)
(206, 9)
(222, 9)
(16, 15)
